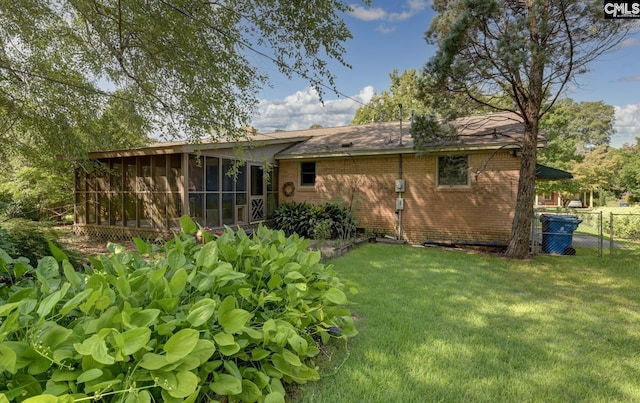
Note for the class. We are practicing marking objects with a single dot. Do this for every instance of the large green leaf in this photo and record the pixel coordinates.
(153, 361)
(208, 255)
(8, 359)
(181, 344)
(165, 379)
(226, 343)
(47, 272)
(201, 311)
(135, 339)
(187, 384)
(89, 375)
(178, 282)
(123, 286)
(6, 309)
(71, 275)
(144, 318)
(188, 225)
(143, 247)
(57, 253)
(52, 335)
(176, 259)
(203, 350)
(226, 385)
(234, 320)
(95, 347)
(274, 397)
(227, 305)
(250, 391)
(335, 296)
(50, 301)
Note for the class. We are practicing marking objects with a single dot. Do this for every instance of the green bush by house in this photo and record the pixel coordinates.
(321, 221)
(235, 318)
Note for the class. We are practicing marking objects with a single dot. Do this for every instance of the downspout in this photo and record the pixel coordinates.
(400, 196)
(400, 177)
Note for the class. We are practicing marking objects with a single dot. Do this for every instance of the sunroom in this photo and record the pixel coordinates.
(143, 192)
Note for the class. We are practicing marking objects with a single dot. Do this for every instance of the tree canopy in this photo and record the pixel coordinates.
(89, 75)
(167, 67)
(573, 129)
(517, 56)
(404, 90)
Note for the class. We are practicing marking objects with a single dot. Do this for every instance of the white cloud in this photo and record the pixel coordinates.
(368, 14)
(412, 8)
(303, 109)
(385, 29)
(627, 124)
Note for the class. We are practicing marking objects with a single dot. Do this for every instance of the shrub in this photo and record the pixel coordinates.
(26, 238)
(235, 318)
(323, 221)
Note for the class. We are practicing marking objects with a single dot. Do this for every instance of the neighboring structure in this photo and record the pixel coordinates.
(545, 173)
(459, 192)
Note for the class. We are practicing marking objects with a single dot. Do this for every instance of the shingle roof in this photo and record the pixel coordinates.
(492, 131)
(499, 130)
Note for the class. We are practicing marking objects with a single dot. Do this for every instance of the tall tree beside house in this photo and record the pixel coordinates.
(520, 56)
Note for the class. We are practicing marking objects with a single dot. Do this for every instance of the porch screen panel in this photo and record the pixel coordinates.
(227, 209)
(196, 188)
(213, 174)
(213, 210)
(175, 171)
(273, 186)
(174, 209)
(130, 202)
(116, 212)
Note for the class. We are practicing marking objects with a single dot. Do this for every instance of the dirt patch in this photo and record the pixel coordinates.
(85, 245)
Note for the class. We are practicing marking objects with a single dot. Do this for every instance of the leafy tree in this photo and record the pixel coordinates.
(404, 90)
(407, 89)
(81, 75)
(177, 67)
(628, 174)
(520, 56)
(599, 170)
(573, 129)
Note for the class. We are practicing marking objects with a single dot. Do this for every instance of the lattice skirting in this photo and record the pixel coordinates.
(123, 233)
(158, 236)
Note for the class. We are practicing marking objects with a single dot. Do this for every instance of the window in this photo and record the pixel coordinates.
(307, 174)
(453, 170)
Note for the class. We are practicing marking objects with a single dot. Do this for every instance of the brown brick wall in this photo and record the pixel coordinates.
(482, 212)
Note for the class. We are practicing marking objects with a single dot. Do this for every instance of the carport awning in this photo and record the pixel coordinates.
(545, 173)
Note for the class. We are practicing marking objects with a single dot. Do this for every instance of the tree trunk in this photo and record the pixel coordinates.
(518, 247)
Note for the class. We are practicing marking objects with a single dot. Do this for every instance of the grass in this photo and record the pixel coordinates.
(451, 326)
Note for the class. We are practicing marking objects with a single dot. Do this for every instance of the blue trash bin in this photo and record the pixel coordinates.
(557, 233)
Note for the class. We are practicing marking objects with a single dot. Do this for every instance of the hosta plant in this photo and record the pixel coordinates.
(210, 318)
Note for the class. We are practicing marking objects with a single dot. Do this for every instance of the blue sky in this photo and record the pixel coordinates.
(390, 35)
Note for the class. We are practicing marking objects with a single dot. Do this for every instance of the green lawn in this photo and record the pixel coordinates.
(451, 326)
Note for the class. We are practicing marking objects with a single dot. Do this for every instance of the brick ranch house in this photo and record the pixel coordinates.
(456, 193)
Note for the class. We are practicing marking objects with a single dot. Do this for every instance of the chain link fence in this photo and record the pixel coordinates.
(584, 232)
